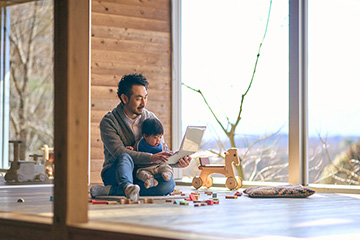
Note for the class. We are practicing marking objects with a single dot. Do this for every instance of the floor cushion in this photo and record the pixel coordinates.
(285, 191)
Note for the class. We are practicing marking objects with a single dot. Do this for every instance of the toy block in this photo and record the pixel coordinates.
(148, 200)
(197, 201)
(112, 202)
(51, 198)
(90, 200)
(176, 190)
(134, 202)
(210, 202)
(187, 199)
(215, 199)
(216, 202)
(197, 205)
(124, 201)
(208, 193)
(231, 197)
(99, 202)
(197, 197)
(238, 194)
(175, 193)
(183, 194)
(20, 200)
(177, 201)
(169, 200)
(203, 204)
(214, 195)
(184, 203)
(192, 197)
(195, 193)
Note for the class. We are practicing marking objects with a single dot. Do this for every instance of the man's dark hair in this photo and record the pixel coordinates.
(127, 81)
(152, 126)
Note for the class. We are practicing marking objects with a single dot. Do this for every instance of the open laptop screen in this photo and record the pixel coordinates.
(190, 143)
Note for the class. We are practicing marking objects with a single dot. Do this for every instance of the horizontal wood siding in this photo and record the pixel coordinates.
(128, 36)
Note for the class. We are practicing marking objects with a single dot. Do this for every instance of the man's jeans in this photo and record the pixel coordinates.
(121, 174)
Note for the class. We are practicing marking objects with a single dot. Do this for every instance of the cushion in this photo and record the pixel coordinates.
(285, 191)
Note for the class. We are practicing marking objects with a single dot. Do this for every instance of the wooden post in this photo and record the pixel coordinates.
(71, 148)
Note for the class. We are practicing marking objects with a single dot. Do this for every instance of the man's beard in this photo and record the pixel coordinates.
(139, 111)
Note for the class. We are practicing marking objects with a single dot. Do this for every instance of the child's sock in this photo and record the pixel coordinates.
(166, 175)
(99, 190)
(132, 192)
(151, 182)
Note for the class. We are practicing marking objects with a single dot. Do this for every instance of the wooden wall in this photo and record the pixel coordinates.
(128, 36)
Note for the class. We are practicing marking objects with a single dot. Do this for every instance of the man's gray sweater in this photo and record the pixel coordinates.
(116, 134)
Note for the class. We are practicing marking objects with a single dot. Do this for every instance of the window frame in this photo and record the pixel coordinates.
(298, 95)
(4, 88)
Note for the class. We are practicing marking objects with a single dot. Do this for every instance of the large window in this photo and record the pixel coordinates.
(220, 46)
(27, 90)
(333, 85)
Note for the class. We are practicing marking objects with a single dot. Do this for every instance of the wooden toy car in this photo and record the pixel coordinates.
(232, 181)
(22, 171)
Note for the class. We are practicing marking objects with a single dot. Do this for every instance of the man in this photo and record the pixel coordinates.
(121, 128)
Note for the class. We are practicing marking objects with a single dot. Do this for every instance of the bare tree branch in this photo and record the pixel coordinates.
(253, 75)
(340, 169)
(259, 140)
(207, 104)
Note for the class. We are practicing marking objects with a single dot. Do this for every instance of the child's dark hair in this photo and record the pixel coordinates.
(127, 81)
(152, 126)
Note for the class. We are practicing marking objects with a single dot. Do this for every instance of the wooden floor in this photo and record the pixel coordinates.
(321, 216)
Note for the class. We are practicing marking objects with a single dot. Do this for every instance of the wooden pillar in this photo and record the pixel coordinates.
(71, 66)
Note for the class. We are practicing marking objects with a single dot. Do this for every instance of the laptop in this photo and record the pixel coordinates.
(190, 143)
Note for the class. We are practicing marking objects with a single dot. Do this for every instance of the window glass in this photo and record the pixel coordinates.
(28, 51)
(334, 110)
(220, 44)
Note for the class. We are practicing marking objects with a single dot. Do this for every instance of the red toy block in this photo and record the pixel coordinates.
(192, 197)
(238, 194)
(210, 202)
(99, 202)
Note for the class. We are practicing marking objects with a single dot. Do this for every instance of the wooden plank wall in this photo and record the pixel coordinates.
(128, 36)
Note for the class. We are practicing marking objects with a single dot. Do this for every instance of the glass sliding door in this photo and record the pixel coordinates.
(244, 87)
(333, 92)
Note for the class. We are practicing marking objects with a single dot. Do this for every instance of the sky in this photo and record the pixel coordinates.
(220, 41)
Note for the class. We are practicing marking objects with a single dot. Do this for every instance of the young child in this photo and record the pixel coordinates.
(152, 132)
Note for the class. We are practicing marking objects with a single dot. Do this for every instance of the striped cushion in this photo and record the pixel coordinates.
(286, 191)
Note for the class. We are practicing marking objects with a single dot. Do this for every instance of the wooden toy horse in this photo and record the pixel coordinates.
(232, 181)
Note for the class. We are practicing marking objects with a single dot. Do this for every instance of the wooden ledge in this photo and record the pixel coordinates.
(107, 230)
(25, 226)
